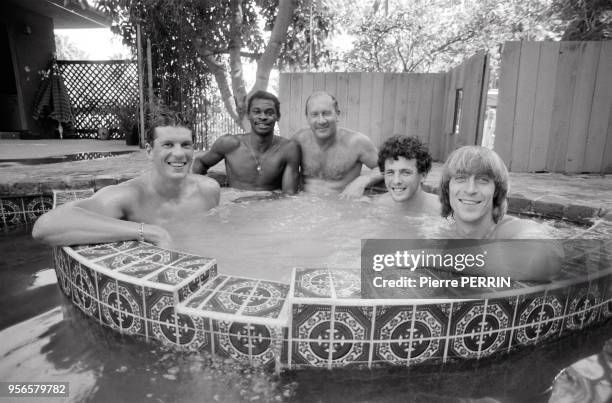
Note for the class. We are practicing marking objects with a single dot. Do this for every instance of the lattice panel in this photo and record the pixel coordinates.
(98, 91)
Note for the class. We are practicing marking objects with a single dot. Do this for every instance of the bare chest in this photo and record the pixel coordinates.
(331, 164)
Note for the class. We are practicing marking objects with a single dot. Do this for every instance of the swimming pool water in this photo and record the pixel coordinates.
(258, 239)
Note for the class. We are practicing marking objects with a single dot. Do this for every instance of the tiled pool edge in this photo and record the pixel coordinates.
(318, 320)
(315, 326)
(21, 203)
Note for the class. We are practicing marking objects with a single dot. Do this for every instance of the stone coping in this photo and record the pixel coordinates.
(23, 202)
(319, 318)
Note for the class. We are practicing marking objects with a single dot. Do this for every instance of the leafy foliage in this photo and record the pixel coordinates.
(587, 20)
(431, 36)
(193, 40)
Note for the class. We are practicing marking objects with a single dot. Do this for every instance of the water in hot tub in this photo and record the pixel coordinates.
(256, 238)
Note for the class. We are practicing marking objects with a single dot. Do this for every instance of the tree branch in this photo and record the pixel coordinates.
(277, 38)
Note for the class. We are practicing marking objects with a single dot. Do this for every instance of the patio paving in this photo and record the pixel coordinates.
(549, 192)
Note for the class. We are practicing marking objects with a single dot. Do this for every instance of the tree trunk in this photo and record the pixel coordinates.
(236, 103)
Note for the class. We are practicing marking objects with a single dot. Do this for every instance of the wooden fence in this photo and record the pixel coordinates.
(555, 107)
(383, 104)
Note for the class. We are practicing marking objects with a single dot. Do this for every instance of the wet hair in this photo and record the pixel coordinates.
(264, 95)
(476, 160)
(320, 93)
(163, 116)
(407, 147)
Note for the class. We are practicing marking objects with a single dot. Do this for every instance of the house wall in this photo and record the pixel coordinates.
(31, 46)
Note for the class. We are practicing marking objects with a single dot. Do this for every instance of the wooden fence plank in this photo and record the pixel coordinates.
(412, 105)
(581, 106)
(424, 115)
(353, 99)
(365, 103)
(319, 82)
(342, 97)
(511, 56)
(436, 131)
(401, 103)
(284, 89)
(331, 83)
(482, 95)
(526, 94)
(545, 93)
(376, 111)
(295, 104)
(600, 114)
(569, 58)
(470, 83)
(307, 89)
(388, 101)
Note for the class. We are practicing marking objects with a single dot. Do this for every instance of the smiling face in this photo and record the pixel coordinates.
(172, 151)
(322, 116)
(402, 178)
(471, 199)
(263, 116)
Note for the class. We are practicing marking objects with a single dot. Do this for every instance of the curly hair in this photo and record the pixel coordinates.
(407, 147)
(476, 160)
(162, 116)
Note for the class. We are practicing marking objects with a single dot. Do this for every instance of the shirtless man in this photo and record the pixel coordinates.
(473, 191)
(405, 162)
(332, 156)
(141, 207)
(258, 160)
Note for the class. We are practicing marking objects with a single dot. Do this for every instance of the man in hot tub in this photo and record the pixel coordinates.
(257, 160)
(473, 191)
(333, 156)
(142, 207)
(405, 163)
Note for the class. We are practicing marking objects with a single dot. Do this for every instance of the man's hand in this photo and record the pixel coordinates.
(158, 236)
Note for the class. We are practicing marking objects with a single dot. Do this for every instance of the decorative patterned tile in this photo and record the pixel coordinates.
(581, 308)
(409, 351)
(312, 283)
(538, 316)
(194, 263)
(404, 322)
(478, 329)
(197, 283)
(182, 331)
(171, 276)
(84, 289)
(139, 269)
(225, 302)
(117, 262)
(248, 343)
(123, 307)
(64, 196)
(62, 270)
(36, 206)
(11, 211)
(346, 283)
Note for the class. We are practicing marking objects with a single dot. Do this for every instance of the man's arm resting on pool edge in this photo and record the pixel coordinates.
(369, 157)
(204, 160)
(94, 220)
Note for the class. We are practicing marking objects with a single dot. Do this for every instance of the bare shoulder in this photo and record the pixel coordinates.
(114, 200)
(354, 138)
(205, 184)
(302, 134)
(226, 143)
